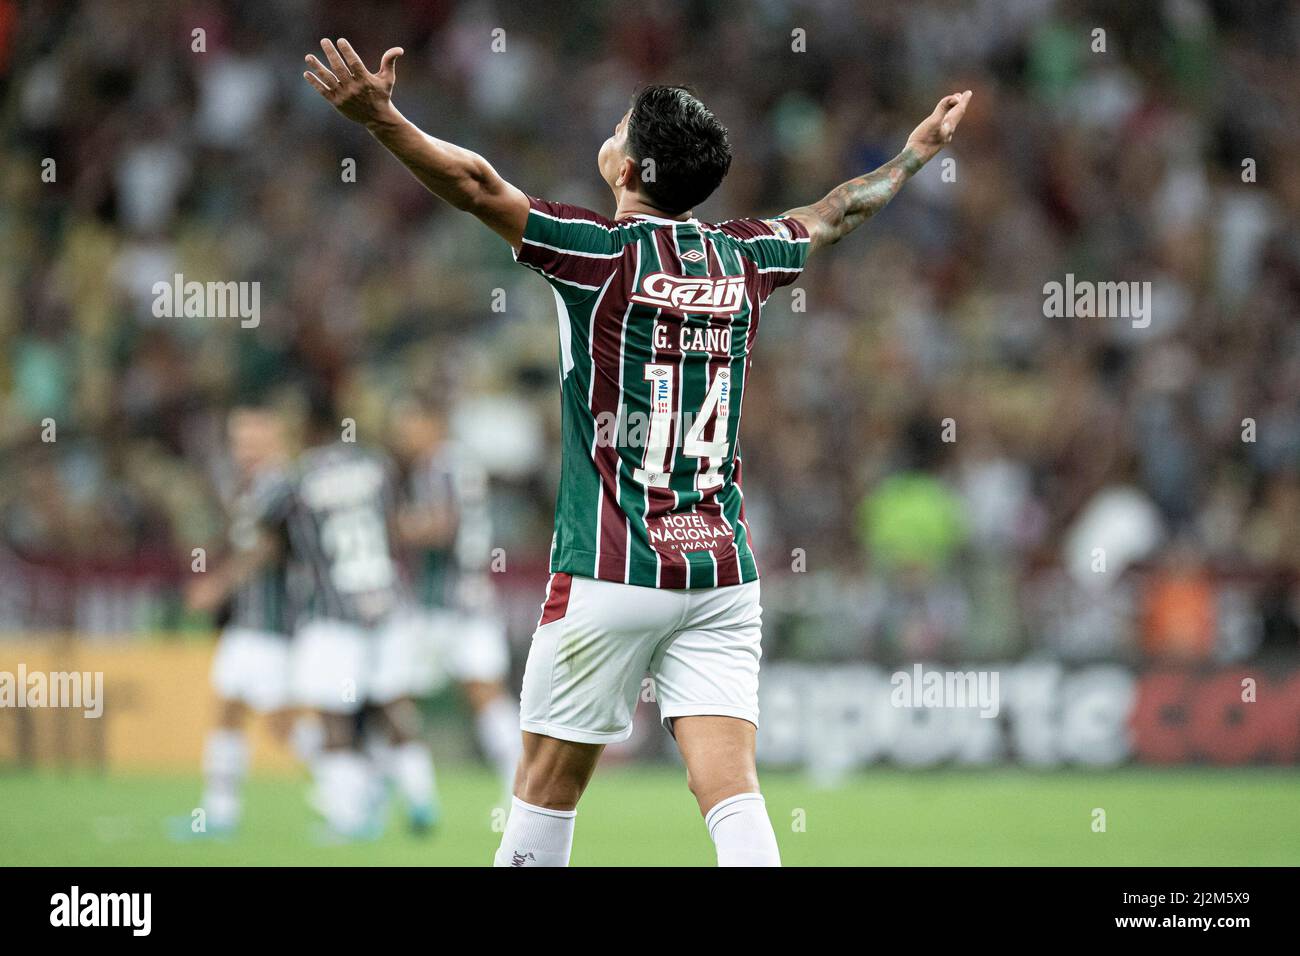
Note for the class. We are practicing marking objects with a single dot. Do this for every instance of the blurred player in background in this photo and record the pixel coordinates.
(652, 564)
(353, 646)
(250, 671)
(446, 522)
(333, 519)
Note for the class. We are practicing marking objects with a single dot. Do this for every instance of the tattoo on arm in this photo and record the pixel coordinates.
(850, 204)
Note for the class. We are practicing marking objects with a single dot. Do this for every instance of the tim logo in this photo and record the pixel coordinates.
(707, 295)
(661, 385)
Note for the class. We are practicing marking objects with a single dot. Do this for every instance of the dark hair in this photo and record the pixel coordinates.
(688, 145)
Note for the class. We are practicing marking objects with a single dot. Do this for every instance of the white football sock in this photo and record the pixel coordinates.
(307, 738)
(742, 832)
(535, 836)
(343, 789)
(383, 767)
(498, 733)
(411, 768)
(225, 763)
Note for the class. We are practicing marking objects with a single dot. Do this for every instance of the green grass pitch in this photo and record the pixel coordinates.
(645, 816)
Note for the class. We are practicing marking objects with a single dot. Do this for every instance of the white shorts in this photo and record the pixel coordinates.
(402, 661)
(252, 667)
(338, 666)
(470, 647)
(598, 640)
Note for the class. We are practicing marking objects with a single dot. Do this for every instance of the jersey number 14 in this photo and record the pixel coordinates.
(712, 417)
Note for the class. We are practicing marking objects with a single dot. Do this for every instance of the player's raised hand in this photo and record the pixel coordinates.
(352, 89)
(935, 131)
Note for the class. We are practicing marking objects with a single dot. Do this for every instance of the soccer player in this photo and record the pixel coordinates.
(652, 561)
(250, 671)
(333, 519)
(353, 646)
(446, 520)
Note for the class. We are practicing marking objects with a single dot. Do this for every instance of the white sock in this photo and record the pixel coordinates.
(343, 789)
(225, 763)
(383, 766)
(536, 836)
(498, 733)
(411, 768)
(307, 739)
(742, 832)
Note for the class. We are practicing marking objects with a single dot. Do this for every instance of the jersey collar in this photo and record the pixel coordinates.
(668, 222)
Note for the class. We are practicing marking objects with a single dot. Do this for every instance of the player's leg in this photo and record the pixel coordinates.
(399, 674)
(282, 723)
(343, 777)
(249, 673)
(554, 773)
(496, 721)
(408, 762)
(720, 770)
(225, 764)
(706, 682)
(329, 670)
(588, 656)
(479, 659)
(552, 776)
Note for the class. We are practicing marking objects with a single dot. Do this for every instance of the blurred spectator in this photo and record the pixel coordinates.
(1171, 158)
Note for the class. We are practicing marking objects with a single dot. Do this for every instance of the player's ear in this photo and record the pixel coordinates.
(627, 174)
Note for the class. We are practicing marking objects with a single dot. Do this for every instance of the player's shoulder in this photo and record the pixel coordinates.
(340, 454)
(270, 493)
(780, 228)
(270, 480)
(569, 243)
(376, 457)
(568, 214)
(311, 459)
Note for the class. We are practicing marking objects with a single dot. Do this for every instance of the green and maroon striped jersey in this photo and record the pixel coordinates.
(657, 321)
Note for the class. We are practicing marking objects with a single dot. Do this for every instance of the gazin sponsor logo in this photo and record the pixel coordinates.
(722, 295)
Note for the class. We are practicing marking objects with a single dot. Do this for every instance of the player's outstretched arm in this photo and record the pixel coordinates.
(461, 177)
(850, 204)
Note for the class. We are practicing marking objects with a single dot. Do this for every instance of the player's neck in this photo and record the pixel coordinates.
(629, 205)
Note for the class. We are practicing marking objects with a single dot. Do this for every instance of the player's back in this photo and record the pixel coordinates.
(338, 520)
(657, 323)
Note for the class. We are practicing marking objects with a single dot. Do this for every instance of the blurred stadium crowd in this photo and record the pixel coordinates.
(877, 537)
